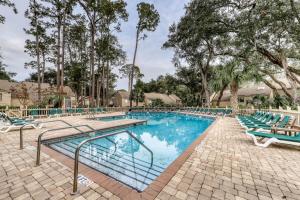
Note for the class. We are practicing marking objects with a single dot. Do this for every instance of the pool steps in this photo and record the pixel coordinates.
(133, 172)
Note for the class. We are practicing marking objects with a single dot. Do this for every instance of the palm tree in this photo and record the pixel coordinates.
(233, 74)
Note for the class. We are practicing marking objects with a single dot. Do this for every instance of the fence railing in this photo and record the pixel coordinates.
(49, 112)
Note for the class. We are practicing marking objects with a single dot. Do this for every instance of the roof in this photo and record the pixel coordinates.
(124, 94)
(6, 85)
(245, 92)
(176, 98)
(167, 99)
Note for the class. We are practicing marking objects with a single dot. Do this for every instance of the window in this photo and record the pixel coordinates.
(0, 96)
(241, 100)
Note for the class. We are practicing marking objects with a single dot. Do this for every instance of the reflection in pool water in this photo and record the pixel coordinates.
(166, 134)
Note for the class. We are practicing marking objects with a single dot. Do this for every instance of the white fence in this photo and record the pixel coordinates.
(44, 112)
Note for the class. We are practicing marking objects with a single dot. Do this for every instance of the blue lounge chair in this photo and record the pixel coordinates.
(274, 138)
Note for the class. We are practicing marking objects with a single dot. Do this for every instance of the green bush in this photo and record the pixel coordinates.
(157, 103)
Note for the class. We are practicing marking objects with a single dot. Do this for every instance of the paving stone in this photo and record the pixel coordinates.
(227, 165)
(181, 195)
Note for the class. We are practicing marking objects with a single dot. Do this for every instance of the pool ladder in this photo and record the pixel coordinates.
(77, 151)
(76, 127)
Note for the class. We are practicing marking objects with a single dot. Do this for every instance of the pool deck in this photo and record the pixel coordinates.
(225, 165)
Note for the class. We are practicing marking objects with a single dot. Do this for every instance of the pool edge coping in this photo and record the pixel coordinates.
(121, 190)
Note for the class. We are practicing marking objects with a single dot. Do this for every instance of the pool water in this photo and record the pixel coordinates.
(167, 135)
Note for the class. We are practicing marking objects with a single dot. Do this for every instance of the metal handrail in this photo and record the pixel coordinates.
(22, 127)
(38, 155)
(77, 151)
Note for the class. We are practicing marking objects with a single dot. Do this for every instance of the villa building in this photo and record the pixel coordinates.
(172, 99)
(13, 94)
(121, 99)
(248, 91)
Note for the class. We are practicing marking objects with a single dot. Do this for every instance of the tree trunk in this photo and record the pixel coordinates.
(234, 96)
(274, 89)
(98, 84)
(62, 61)
(58, 54)
(102, 84)
(205, 86)
(221, 95)
(92, 92)
(107, 85)
(98, 91)
(288, 77)
(281, 84)
(43, 67)
(37, 53)
(137, 99)
(129, 80)
(132, 67)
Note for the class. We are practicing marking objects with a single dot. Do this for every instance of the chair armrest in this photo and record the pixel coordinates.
(286, 129)
(295, 127)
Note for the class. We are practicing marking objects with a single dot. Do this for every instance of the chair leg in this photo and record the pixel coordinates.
(266, 144)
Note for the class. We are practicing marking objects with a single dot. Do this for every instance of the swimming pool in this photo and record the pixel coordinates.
(167, 135)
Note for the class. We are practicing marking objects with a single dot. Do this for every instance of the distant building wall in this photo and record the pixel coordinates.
(5, 98)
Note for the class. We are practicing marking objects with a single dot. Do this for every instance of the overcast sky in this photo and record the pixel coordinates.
(151, 58)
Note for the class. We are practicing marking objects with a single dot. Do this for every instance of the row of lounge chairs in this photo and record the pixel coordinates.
(7, 123)
(209, 111)
(272, 127)
(58, 112)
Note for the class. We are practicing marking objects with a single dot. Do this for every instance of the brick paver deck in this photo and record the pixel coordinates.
(225, 166)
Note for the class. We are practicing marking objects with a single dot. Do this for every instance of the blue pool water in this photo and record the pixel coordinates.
(124, 159)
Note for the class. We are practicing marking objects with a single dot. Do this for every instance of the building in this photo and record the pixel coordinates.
(172, 99)
(14, 94)
(121, 99)
(248, 91)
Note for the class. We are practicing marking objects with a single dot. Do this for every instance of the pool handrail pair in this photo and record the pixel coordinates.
(76, 127)
(77, 151)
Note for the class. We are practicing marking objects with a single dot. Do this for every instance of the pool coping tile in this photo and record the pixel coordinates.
(121, 190)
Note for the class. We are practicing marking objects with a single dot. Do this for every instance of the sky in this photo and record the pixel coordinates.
(152, 60)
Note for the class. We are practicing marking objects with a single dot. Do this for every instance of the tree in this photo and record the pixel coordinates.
(4, 75)
(76, 37)
(108, 52)
(44, 46)
(112, 13)
(21, 91)
(49, 77)
(34, 13)
(101, 15)
(235, 73)
(272, 35)
(270, 31)
(198, 38)
(92, 10)
(9, 4)
(148, 21)
(138, 91)
(59, 12)
(125, 72)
